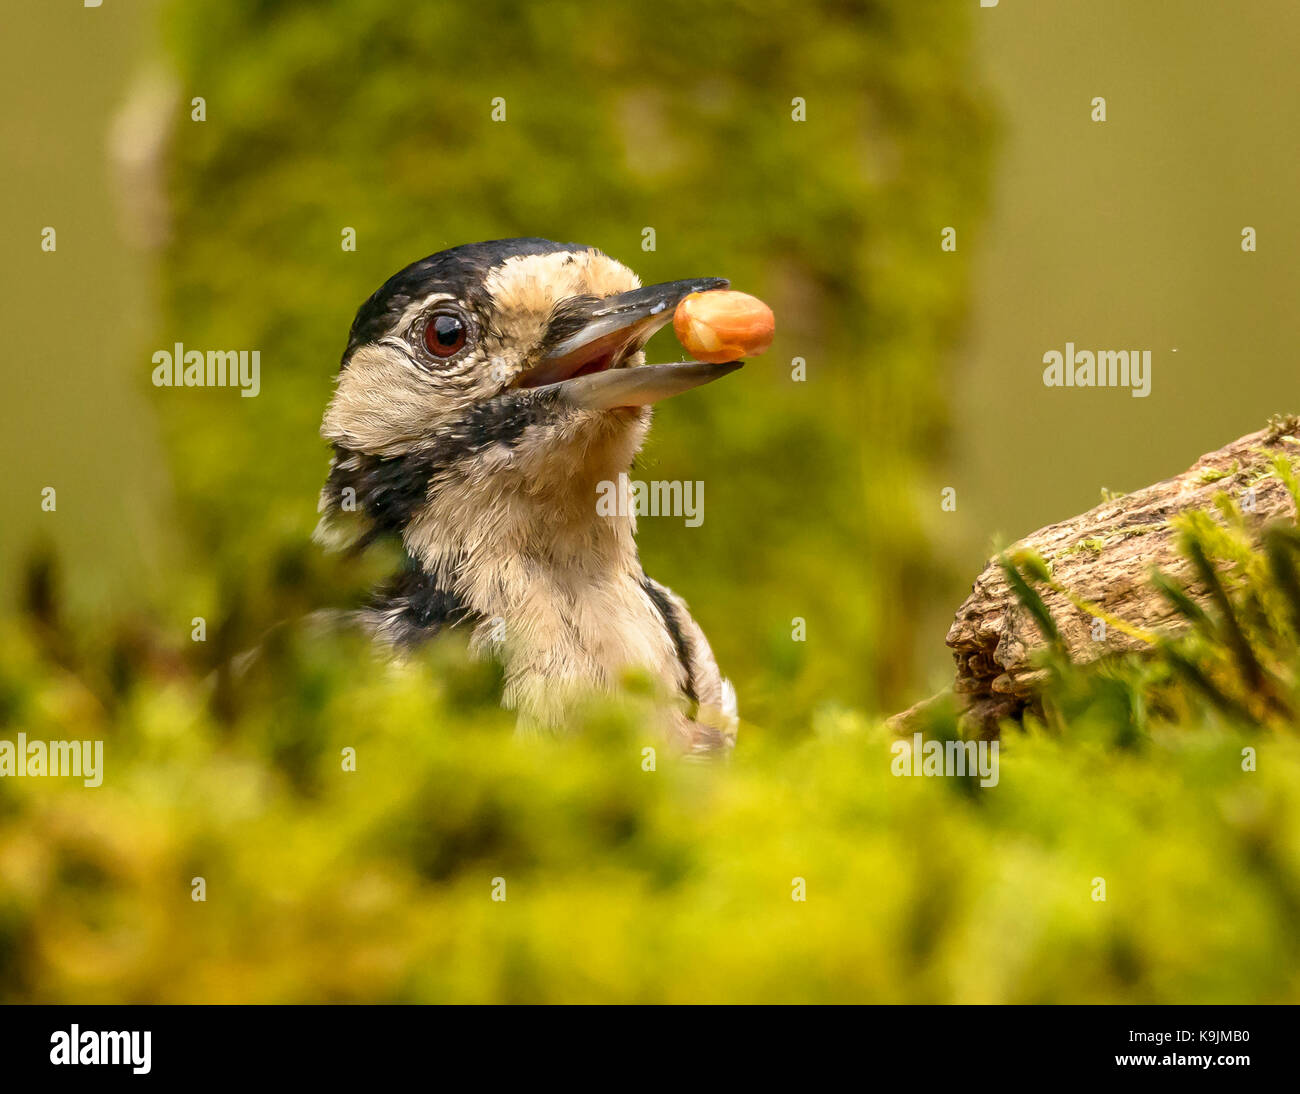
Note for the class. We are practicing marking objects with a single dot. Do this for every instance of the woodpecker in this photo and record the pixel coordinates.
(484, 394)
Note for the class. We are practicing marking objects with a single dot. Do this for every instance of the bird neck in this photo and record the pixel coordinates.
(532, 509)
(551, 579)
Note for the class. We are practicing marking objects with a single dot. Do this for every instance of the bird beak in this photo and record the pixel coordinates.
(584, 367)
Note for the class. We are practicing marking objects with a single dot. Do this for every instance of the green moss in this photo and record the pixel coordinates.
(376, 885)
(1283, 427)
(1216, 474)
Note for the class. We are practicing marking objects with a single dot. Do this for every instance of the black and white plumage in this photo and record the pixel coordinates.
(485, 392)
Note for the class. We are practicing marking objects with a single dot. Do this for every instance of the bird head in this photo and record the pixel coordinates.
(486, 390)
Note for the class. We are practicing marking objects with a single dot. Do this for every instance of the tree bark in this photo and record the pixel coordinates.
(1105, 557)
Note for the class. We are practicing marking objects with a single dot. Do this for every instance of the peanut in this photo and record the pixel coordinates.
(723, 325)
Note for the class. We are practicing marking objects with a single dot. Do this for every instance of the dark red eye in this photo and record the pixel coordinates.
(444, 335)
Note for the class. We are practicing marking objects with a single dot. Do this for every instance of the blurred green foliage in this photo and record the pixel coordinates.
(620, 883)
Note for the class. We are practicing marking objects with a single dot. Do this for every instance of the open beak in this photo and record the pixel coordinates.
(585, 367)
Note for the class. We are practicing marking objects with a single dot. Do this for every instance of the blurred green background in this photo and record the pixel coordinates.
(822, 497)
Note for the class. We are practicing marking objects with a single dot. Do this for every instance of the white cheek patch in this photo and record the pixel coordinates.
(381, 404)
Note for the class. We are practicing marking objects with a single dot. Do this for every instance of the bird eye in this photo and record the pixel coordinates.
(445, 334)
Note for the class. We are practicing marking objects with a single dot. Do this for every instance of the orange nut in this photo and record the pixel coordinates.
(723, 325)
